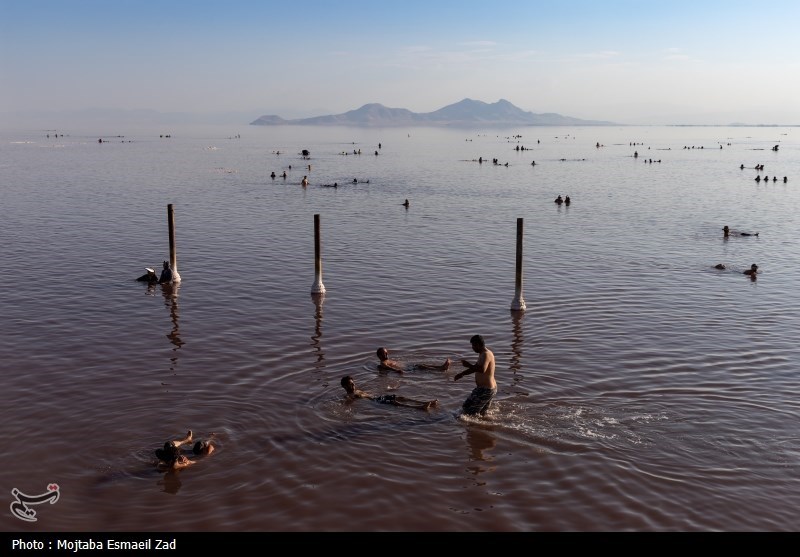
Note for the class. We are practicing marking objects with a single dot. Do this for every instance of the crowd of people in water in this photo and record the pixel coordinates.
(172, 457)
(176, 455)
(306, 155)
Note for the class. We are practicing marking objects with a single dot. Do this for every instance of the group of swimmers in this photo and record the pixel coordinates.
(172, 457)
(774, 179)
(765, 178)
(565, 200)
(752, 272)
(477, 403)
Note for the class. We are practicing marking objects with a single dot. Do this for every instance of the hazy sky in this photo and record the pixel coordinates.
(646, 61)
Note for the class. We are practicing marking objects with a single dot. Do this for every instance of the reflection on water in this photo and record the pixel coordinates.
(319, 300)
(170, 293)
(479, 442)
(171, 481)
(517, 340)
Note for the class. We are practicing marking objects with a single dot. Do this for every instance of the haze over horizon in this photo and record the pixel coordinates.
(695, 62)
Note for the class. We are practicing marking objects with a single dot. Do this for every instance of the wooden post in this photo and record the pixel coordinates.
(317, 287)
(518, 304)
(173, 256)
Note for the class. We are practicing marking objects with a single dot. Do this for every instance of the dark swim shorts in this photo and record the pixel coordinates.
(385, 399)
(478, 401)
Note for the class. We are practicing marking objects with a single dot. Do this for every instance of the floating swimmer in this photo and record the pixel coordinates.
(387, 364)
(349, 385)
(752, 271)
(727, 232)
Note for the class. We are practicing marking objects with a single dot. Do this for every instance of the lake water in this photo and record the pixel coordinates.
(641, 389)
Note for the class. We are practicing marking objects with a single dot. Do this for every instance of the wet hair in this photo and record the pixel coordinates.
(345, 380)
(382, 353)
(169, 453)
(477, 340)
(200, 447)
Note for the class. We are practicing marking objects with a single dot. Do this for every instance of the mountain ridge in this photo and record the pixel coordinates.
(467, 112)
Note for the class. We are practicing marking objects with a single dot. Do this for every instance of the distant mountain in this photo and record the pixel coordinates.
(464, 113)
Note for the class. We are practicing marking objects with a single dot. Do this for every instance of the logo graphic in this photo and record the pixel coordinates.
(20, 507)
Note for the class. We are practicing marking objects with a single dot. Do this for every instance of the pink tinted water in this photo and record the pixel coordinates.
(641, 390)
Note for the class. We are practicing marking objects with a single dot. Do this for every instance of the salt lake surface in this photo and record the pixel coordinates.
(641, 389)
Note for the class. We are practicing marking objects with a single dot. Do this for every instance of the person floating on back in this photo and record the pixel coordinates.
(386, 364)
(726, 232)
(349, 385)
(171, 456)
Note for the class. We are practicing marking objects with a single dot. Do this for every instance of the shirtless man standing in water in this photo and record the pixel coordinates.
(485, 389)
